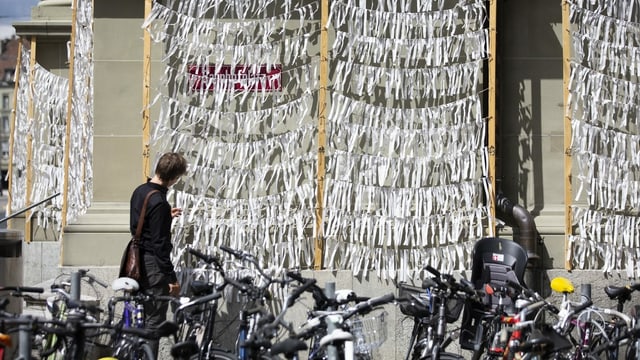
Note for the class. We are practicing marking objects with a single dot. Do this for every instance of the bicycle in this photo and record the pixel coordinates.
(72, 332)
(134, 342)
(64, 290)
(526, 337)
(495, 260)
(25, 336)
(633, 335)
(193, 342)
(196, 316)
(590, 321)
(129, 338)
(338, 341)
(432, 306)
(359, 334)
(260, 342)
(255, 292)
(622, 294)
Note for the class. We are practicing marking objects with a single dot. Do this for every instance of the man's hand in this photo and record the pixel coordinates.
(175, 212)
(174, 289)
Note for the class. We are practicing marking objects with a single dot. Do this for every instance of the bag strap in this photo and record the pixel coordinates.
(142, 214)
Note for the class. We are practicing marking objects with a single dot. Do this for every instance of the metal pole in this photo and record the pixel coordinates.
(24, 341)
(28, 208)
(330, 293)
(75, 285)
(585, 292)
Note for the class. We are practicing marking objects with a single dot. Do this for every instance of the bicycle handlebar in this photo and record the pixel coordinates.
(299, 290)
(85, 273)
(532, 294)
(209, 259)
(236, 253)
(23, 289)
(449, 282)
(366, 306)
(198, 301)
(76, 304)
(322, 302)
(244, 256)
(236, 284)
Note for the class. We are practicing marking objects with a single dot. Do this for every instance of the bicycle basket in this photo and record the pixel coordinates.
(369, 332)
(413, 308)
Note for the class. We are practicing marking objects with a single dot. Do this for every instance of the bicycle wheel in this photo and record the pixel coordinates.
(53, 348)
(444, 356)
(633, 348)
(221, 355)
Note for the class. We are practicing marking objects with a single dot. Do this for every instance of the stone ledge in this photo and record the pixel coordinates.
(102, 217)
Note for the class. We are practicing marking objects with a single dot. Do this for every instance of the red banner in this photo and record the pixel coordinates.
(235, 78)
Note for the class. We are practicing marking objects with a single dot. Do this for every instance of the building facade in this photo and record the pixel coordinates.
(530, 144)
(8, 57)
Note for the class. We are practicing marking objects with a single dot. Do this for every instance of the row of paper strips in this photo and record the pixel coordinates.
(233, 220)
(604, 92)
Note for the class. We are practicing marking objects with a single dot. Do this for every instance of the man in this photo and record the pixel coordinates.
(158, 275)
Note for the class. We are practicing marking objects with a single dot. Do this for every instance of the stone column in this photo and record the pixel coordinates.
(98, 238)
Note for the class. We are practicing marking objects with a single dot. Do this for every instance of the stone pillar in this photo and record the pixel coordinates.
(99, 237)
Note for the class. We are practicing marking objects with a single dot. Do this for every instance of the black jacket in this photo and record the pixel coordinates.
(156, 230)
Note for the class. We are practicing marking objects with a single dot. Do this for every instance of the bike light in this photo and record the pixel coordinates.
(5, 340)
(488, 289)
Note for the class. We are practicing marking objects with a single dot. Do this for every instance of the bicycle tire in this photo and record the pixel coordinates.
(632, 347)
(222, 355)
(444, 356)
(55, 346)
(145, 352)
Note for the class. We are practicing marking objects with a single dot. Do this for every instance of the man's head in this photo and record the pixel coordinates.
(170, 167)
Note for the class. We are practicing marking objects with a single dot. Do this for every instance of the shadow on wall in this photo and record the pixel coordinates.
(530, 52)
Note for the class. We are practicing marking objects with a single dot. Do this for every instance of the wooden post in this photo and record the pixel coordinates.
(491, 124)
(30, 114)
(146, 85)
(568, 190)
(67, 143)
(319, 244)
(12, 126)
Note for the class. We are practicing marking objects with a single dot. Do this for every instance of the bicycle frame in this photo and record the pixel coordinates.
(133, 310)
(515, 325)
(587, 326)
(336, 340)
(208, 301)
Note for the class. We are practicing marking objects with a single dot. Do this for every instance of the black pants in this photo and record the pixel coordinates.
(155, 283)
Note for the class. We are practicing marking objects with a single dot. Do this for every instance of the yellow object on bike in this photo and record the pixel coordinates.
(5, 340)
(108, 358)
(562, 285)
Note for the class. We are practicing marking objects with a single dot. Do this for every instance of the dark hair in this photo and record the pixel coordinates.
(171, 166)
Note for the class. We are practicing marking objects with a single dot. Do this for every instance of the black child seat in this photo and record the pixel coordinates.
(494, 261)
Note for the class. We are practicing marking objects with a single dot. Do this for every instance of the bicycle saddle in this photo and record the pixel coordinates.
(125, 283)
(562, 285)
(201, 288)
(621, 292)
